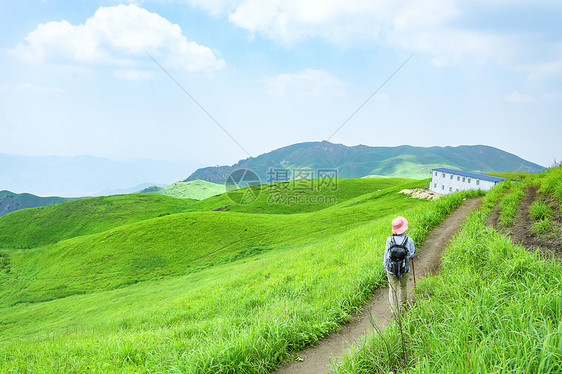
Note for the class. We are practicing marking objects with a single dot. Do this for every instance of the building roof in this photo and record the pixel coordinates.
(470, 174)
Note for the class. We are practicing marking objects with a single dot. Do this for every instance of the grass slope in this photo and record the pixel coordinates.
(46, 225)
(299, 197)
(243, 316)
(197, 189)
(176, 244)
(513, 175)
(495, 307)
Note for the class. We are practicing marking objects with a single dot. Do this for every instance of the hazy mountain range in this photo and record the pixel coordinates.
(84, 175)
(362, 161)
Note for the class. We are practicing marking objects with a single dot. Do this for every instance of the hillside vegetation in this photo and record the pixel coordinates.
(165, 246)
(201, 291)
(298, 197)
(495, 306)
(46, 225)
(196, 189)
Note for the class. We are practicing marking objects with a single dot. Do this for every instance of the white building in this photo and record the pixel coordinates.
(445, 181)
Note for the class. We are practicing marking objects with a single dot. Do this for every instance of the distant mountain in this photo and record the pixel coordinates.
(197, 189)
(10, 202)
(364, 161)
(84, 175)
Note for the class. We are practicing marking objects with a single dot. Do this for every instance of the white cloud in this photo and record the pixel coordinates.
(310, 82)
(443, 29)
(517, 97)
(119, 35)
(291, 20)
(132, 74)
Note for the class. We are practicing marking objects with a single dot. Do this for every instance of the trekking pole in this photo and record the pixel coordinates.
(414, 272)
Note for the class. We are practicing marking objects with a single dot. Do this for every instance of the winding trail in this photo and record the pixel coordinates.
(318, 359)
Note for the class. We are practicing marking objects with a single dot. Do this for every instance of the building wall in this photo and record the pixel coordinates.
(446, 183)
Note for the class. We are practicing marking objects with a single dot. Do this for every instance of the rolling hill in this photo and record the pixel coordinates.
(10, 202)
(49, 224)
(104, 243)
(197, 189)
(140, 267)
(151, 283)
(363, 161)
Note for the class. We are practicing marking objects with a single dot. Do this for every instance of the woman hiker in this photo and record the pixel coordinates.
(398, 251)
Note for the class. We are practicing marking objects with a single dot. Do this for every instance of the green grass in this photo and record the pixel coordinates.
(197, 190)
(46, 225)
(542, 226)
(550, 182)
(175, 244)
(495, 307)
(304, 196)
(513, 175)
(510, 205)
(539, 210)
(40, 226)
(284, 283)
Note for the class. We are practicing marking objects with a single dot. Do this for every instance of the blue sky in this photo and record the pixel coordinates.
(77, 77)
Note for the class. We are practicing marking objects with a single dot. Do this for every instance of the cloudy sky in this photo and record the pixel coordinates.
(114, 78)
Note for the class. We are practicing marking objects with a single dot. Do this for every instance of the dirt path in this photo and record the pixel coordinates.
(318, 359)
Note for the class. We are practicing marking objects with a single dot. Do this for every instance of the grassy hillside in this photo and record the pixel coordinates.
(35, 227)
(265, 285)
(296, 197)
(495, 306)
(174, 245)
(10, 202)
(513, 175)
(197, 189)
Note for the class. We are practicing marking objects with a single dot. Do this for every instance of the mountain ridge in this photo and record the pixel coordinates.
(360, 161)
(10, 201)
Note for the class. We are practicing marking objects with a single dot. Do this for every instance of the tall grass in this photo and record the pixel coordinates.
(550, 182)
(539, 210)
(241, 317)
(510, 205)
(494, 307)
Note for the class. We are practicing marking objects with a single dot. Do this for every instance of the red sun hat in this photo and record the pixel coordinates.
(399, 225)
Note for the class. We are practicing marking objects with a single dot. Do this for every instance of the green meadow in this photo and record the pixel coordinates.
(176, 289)
(197, 189)
(150, 283)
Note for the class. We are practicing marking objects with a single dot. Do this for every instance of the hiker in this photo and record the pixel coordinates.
(398, 251)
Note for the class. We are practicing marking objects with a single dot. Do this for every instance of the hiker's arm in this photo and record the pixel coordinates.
(411, 248)
(385, 257)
